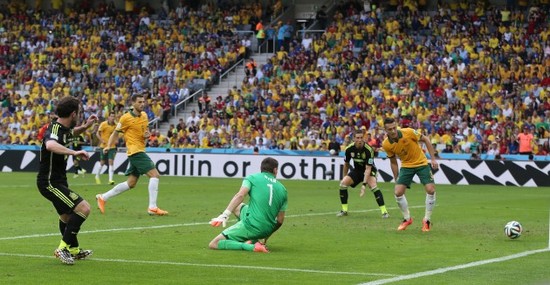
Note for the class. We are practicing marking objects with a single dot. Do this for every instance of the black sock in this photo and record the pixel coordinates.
(73, 227)
(344, 196)
(378, 196)
(62, 226)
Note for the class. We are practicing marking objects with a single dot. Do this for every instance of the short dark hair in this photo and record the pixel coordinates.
(269, 164)
(389, 121)
(66, 106)
(136, 96)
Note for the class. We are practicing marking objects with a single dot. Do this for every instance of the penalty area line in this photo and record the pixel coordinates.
(167, 226)
(453, 268)
(30, 186)
(208, 265)
(106, 230)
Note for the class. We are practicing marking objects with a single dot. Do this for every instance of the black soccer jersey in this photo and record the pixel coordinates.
(53, 166)
(78, 141)
(361, 157)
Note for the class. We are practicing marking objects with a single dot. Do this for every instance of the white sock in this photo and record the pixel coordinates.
(430, 204)
(117, 190)
(111, 172)
(153, 192)
(99, 171)
(404, 206)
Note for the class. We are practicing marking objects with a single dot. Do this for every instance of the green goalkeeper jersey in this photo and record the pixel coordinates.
(268, 197)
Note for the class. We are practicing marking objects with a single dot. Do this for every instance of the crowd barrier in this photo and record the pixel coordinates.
(298, 165)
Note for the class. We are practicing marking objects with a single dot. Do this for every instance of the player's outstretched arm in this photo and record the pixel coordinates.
(368, 170)
(280, 221)
(431, 151)
(112, 139)
(394, 167)
(80, 129)
(55, 147)
(99, 138)
(235, 201)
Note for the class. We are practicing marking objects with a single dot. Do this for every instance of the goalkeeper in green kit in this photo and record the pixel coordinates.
(259, 219)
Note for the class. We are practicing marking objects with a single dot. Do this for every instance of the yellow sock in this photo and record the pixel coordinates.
(62, 244)
(383, 209)
(345, 207)
(74, 250)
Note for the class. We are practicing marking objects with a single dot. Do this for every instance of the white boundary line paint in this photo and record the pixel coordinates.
(208, 265)
(462, 266)
(106, 230)
(456, 267)
(171, 226)
(30, 186)
(395, 278)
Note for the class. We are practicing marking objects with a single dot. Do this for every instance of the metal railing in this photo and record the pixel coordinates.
(265, 48)
(232, 68)
(303, 32)
(185, 100)
(154, 123)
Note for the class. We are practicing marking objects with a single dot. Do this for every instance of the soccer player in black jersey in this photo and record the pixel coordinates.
(52, 177)
(78, 141)
(364, 171)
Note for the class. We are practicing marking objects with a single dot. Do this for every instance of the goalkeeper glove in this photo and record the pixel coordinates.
(221, 219)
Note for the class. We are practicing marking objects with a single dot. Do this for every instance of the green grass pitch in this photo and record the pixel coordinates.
(466, 245)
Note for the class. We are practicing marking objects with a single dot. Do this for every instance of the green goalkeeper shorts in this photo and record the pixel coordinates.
(242, 231)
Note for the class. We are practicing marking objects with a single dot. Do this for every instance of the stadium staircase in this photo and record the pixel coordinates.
(234, 78)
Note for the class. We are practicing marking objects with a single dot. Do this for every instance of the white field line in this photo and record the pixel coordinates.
(207, 265)
(196, 264)
(170, 226)
(376, 282)
(462, 266)
(34, 185)
(456, 267)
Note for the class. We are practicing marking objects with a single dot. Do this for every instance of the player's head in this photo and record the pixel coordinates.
(358, 138)
(68, 107)
(270, 165)
(391, 128)
(111, 118)
(138, 102)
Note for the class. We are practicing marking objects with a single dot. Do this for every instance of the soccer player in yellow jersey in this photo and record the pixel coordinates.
(106, 128)
(405, 144)
(134, 126)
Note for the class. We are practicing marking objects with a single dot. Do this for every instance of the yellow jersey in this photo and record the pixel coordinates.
(406, 148)
(105, 130)
(133, 127)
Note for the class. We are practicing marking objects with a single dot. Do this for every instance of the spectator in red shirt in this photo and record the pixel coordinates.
(43, 129)
(204, 103)
(423, 84)
(166, 108)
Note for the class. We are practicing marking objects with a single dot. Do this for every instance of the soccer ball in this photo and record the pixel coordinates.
(332, 152)
(513, 229)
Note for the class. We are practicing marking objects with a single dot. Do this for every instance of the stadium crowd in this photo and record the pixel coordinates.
(103, 55)
(474, 77)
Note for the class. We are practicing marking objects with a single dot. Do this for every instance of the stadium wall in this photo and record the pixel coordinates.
(238, 165)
